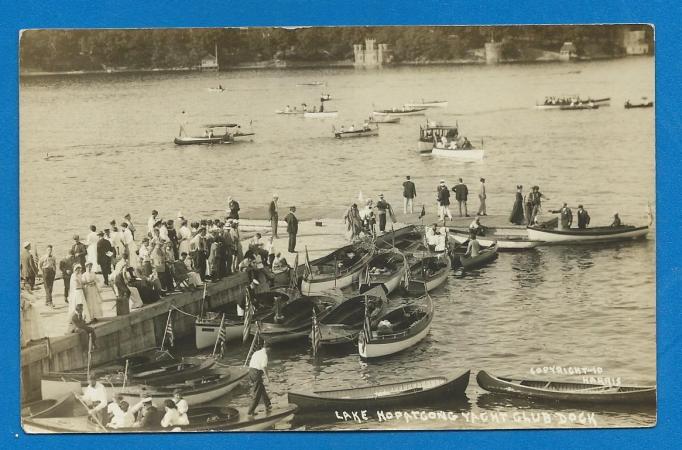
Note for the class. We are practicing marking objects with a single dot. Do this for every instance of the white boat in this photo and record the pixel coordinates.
(311, 83)
(410, 324)
(292, 112)
(320, 115)
(362, 132)
(383, 119)
(337, 270)
(218, 89)
(428, 104)
(387, 268)
(507, 238)
(473, 154)
(428, 272)
(587, 235)
(206, 331)
(596, 102)
(400, 112)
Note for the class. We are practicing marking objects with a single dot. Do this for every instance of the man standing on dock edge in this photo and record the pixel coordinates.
(274, 216)
(482, 196)
(409, 193)
(461, 193)
(292, 228)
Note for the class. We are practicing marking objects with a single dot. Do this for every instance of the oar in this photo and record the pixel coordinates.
(94, 416)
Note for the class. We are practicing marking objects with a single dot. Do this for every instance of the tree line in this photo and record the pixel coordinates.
(98, 49)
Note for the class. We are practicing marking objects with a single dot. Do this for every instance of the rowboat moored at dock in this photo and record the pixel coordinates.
(587, 235)
(336, 270)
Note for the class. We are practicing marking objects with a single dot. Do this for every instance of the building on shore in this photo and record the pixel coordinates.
(568, 52)
(635, 42)
(209, 62)
(372, 56)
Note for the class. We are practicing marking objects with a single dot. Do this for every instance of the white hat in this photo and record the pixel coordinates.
(254, 281)
(26, 244)
(442, 181)
(146, 400)
(275, 195)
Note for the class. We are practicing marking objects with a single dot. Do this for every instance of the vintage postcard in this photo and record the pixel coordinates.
(337, 228)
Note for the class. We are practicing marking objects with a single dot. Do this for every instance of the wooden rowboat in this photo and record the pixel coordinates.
(472, 154)
(587, 235)
(387, 268)
(365, 132)
(629, 105)
(66, 405)
(320, 115)
(428, 273)
(296, 318)
(510, 238)
(556, 391)
(336, 270)
(410, 324)
(383, 119)
(485, 256)
(428, 104)
(207, 418)
(399, 112)
(343, 323)
(417, 392)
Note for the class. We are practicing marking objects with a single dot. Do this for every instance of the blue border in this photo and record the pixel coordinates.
(172, 13)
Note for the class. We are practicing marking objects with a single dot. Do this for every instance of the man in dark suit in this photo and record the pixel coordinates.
(583, 218)
(409, 193)
(79, 250)
(461, 193)
(274, 215)
(292, 228)
(104, 253)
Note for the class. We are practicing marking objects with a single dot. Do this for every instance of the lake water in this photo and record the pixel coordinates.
(96, 147)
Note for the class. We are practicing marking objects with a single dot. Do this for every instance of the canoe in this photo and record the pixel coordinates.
(320, 115)
(474, 154)
(384, 119)
(56, 384)
(587, 235)
(387, 268)
(485, 256)
(343, 323)
(204, 418)
(639, 105)
(356, 133)
(336, 270)
(410, 324)
(506, 238)
(196, 391)
(428, 104)
(399, 112)
(203, 140)
(425, 392)
(66, 405)
(428, 273)
(296, 318)
(207, 326)
(557, 391)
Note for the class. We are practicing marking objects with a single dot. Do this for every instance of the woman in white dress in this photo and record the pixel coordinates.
(30, 319)
(130, 245)
(76, 295)
(93, 298)
(91, 242)
(185, 237)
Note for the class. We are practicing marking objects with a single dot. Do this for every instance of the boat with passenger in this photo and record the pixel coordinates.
(588, 235)
(568, 102)
(343, 323)
(427, 104)
(459, 147)
(629, 105)
(433, 132)
(383, 119)
(364, 131)
(397, 112)
(336, 270)
(215, 133)
(507, 238)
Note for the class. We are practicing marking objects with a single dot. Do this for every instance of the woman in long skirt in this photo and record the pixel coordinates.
(516, 216)
(76, 295)
(30, 319)
(93, 298)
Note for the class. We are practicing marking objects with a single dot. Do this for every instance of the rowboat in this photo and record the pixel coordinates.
(409, 324)
(485, 256)
(66, 405)
(425, 391)
(471, 154)
(587, 235)
(343, 323)
(196, 391)
(578, 107)
(311, 83)
(427, 104)
(364, 132)
(218, 89)
(404, 111)
(383, 119)
(56, 384)
(400, 239)
(606, 101)
(428, 273)
(295, 319)
(207, 326)
(336, 270)
(320, 115)
(205, 418)
(209, 138)
(507, 238)
(290, 112)
(387, 268)
(557, 391)
(629, 105)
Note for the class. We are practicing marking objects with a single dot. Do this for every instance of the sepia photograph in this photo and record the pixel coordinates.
(337, 228)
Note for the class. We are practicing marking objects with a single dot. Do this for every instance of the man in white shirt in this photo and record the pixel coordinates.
(180, 402)
(258, 366)
(95, 398)
(151, 221)
(122, 416)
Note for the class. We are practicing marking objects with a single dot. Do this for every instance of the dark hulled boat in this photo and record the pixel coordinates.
(343, 323)
(415, 392)
(295, 318)
(556, 391)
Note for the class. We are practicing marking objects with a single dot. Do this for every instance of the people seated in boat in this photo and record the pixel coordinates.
(444, 141)
(279, 264)
(473, 248)
(477, 228)
(384, 327)
(342, 130)
(453, 145)
(627, 103)
(172, 417)
(314, 109)
(305, 107)
(616, 221)
(466, 145)
(435, 239)
(95, 398)
(257, 246)
(122, 417)
(352, 128)
(365, 126)
(287, 109)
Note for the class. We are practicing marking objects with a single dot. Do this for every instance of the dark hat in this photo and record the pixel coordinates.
(482, 179)
(100, 233)
(127, 216)
(154, 211)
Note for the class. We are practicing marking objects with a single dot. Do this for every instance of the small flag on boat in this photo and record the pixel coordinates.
(169, 331)
(316, 334)
(423, 213)
(309, 270)
(222, 337)
(248, 316)
(367, 326)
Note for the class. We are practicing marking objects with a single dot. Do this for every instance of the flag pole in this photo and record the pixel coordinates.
(253, 344)
(220, 331)
(165, 330)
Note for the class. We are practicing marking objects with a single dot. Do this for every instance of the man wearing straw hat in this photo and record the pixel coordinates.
(29, 269)
(95, 398)
(274, 215)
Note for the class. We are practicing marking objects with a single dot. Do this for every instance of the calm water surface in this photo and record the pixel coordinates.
(109, 140)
